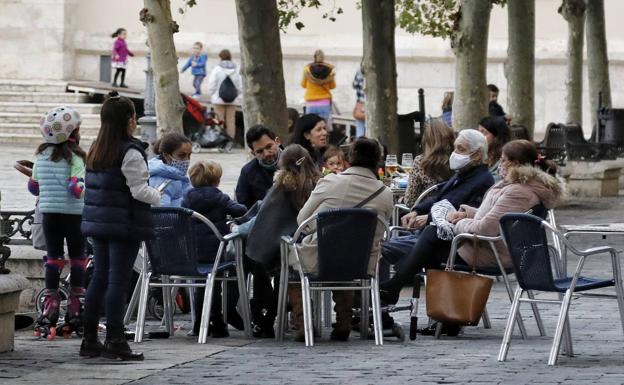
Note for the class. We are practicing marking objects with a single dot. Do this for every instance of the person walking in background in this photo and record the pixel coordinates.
(117, 217)
(58, 179)
(197, 62)
(120, 56)
(447, 108)
(318, 80)
(224, 87)
(359, 113)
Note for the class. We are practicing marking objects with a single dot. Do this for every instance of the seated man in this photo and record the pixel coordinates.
(256, 177)
(470, 182)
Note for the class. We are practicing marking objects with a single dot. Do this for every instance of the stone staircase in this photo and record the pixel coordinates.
(24, 102)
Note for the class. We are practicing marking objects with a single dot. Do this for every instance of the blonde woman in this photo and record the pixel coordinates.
(433, 165)
(318, 81)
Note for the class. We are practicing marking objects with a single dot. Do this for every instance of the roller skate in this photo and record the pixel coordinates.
(45, 326)
(73, 316)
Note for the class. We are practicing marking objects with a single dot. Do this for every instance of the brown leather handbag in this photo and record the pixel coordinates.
(455, 297)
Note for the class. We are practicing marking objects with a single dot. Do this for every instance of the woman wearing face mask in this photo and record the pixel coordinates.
(467, 186)
(168, 169)
(527, 180)
(311, 133)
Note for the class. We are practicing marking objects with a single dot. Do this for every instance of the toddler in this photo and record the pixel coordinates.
(333, 161)
(197, 62)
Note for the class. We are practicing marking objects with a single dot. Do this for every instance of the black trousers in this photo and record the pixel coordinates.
(58, 229)
(122, 72)
(428, 252)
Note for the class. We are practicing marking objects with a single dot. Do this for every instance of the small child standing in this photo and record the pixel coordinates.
(168, 169)
(197, 62)
(206, 198)
(58, 179)
(120, 56)
(333, 161)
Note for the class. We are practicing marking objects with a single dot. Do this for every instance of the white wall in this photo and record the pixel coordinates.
(67, 45)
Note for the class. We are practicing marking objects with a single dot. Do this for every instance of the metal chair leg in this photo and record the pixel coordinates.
(168, 308)
(134, 301)
(438, 330)
(510, 293)
(536, 314)
(316, 310)
(191, 294)
(327, 308)
(567, 341)
(364, 312)
(619, 290)
(224, 299)
(377, 323)
(561, 321)
(486, 319)
(282, 296)
(307, 312)
(511, 322)
(207, 306)
(140, 325)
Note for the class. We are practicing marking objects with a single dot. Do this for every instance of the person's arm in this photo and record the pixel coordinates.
(243, 190)
(512, 200)
(134, 169)
(212, 82)
(187, 64)
(76, 184)
(33, 181)
(304, 81)
(469, 210)
(415, 185)
(332, 84)
(234, 208)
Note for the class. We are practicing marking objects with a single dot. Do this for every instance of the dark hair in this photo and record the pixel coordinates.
(365, 152)
(497, 126)
(525, 153)
(115, 117)
(118, 32)
(199, 44)
(225, 54)
(169, 143)
(64, 150)
(293, 116)
(304, 125)
(256, 132)
(492, 88)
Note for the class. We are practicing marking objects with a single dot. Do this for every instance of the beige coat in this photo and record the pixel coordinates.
(344, 190)
(523, 188)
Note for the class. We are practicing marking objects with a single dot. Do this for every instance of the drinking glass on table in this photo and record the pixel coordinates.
(407, 162)
(392, 164)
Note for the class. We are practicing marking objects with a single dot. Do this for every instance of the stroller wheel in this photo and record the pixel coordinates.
(227, 147)
(196, 147)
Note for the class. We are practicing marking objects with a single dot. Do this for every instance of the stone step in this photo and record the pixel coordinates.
(48, 97)
(33, 140)
(11, 85)
(33, 118)
(43, 107)
(29, 128)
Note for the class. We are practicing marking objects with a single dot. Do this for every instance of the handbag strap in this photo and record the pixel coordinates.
(370, 198)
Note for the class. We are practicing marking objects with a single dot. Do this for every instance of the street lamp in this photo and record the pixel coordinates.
(148, 121)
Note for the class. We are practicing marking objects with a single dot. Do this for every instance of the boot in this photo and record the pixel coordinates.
(344, 315)
(91, 345)
(296, 303)
(116, 346)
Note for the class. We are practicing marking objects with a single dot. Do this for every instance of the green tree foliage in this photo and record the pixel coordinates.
(437, 18)
(289, 11)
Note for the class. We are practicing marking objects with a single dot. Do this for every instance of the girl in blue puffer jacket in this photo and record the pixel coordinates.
(58, 179)
(168, 169)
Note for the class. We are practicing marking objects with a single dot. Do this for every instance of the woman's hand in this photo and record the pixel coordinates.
(456, 216)
(414, 221)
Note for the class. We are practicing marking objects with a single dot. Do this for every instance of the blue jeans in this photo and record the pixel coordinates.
(322, 111)
(197, 82)
(396, 249)
(111, 277)
(360, 128)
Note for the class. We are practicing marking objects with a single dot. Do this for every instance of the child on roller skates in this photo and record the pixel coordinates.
(58, 179)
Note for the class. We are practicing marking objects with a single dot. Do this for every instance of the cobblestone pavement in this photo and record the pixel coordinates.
(469, 358)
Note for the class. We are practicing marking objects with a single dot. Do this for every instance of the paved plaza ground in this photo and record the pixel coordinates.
(469, 358)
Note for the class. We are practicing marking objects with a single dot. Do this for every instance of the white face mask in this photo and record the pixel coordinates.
(458, 161)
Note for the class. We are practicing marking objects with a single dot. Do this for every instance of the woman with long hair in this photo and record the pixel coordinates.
(496, 133)
(117, 217)
(433, 165)
(311, 133)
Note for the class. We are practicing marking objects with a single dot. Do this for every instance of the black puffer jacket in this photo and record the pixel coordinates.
(216, 206)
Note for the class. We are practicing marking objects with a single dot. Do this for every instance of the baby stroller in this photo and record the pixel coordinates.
(204, 128)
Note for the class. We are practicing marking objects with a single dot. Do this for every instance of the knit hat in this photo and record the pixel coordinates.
(494, 124)
(57, 125)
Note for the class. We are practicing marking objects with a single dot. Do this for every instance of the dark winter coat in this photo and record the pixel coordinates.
(254, 183)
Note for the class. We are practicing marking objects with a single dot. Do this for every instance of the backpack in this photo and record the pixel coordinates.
(227, 90)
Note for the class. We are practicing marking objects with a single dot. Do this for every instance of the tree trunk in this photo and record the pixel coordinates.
(520, 64)
(597, 60)
(156, 16)
(470, 46)
(378, 21)
(573, 11)
(264, 94)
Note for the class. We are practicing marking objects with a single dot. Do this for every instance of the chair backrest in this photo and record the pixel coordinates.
(555, 136)
(574, 133)
(174, 249)
(345, 240)
(539, 210)
(527, 244)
